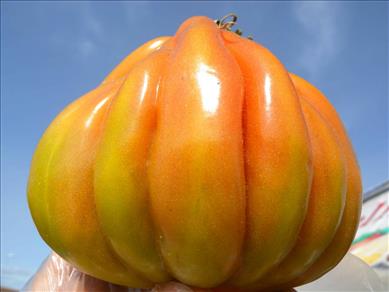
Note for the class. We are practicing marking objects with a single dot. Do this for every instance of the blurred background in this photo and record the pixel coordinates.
(53, 52)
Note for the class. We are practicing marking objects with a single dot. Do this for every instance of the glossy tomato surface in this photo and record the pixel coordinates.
(200, 159)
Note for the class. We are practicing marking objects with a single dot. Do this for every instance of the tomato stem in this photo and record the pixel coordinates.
(227, 22)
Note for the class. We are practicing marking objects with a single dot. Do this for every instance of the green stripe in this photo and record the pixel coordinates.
(367, 235)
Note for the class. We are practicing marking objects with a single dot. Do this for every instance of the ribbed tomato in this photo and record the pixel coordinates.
(201, 159)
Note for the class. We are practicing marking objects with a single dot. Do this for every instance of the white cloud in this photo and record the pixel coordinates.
(91, 33)
(84, 42)
(135, 11)
(91, 23)
(86, 47)
(323, 38)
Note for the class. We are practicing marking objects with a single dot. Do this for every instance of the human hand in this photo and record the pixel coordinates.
(56, 274)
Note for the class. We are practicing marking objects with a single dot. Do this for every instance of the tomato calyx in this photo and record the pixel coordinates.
(227, 22)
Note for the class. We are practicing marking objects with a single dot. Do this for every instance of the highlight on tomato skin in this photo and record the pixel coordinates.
(199, 159)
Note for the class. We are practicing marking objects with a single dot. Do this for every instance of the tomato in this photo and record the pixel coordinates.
(200, 159)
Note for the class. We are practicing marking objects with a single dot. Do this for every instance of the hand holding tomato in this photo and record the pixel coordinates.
(55, 274)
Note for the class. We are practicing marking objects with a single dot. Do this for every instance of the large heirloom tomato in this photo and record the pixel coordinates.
(200, 159)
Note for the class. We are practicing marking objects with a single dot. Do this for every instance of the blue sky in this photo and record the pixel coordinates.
(53, 52)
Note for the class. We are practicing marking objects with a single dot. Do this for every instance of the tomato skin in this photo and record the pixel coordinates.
(201, 159)
(353, 201)
(198, 142)
(276, 142)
